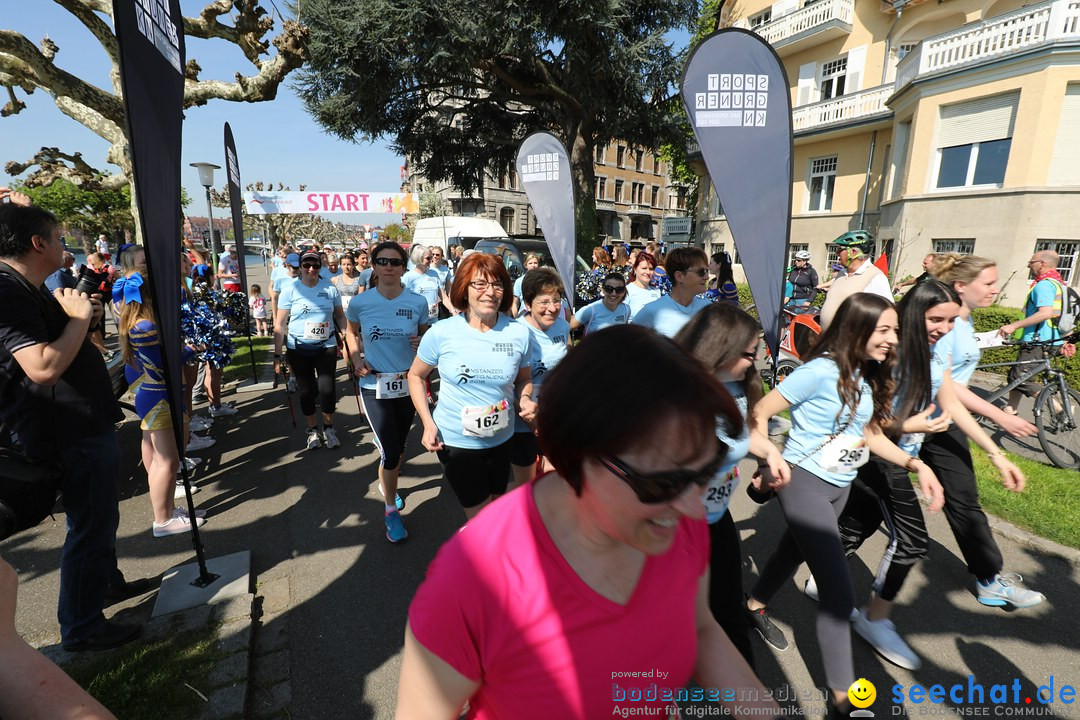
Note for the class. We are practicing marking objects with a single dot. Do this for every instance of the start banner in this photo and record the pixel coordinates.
(310, 202)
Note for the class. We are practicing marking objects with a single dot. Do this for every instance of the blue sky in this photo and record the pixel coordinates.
(275, 141)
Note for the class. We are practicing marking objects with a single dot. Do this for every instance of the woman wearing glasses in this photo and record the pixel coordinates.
(552, 602)
(689, 272)
(308, 319)
(391, 320)
(483, 358)
(608, 310)
(839, 400)
(424, 281)
(543, 292)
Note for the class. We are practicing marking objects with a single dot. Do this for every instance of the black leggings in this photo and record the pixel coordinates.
(725, 584)
(476, 475)
(883, 491)
(811, 507)
(949, 456)
(305, 368)
(390, 419)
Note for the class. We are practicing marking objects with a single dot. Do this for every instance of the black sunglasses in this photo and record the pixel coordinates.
(312, 266)
(661, 487)
(699, 271)
(392, 262)
(617, 290)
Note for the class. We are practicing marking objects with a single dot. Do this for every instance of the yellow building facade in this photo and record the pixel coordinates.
(937, 125)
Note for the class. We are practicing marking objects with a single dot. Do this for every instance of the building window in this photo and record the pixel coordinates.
(794, 248)
(965, 246)
(601, 188)
(655, 164)
(513, 179)
(760, 19)
(618, 190)
(600, 154)
(833, 76)
(1068, 250)
(822, 181)
(903, 49)
(974, 139)
(981, 163)
(620, 156)
(502, 182)
(832, 255)
(637, 193)
(654, 200)
(639, 158)
(506, 219)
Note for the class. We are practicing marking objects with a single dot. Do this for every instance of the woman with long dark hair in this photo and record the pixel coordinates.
(925, 386)
(839, 400)
(722, 286)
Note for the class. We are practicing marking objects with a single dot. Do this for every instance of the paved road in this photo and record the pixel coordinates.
(315, 520)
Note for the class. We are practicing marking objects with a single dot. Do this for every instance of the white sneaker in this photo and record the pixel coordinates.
(178, 524)
(1005, 590)
(222, 411)
(200, 442)
(331, 439)
(810, 589)
(314, 442)
(882, 636)
(178, 494)
(198, 424)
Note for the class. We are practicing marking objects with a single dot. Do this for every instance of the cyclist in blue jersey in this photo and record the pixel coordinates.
(542, 290)
(483, 361)
(308, 319)
(391, 320)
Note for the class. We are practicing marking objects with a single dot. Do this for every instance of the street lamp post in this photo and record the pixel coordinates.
(206, 179)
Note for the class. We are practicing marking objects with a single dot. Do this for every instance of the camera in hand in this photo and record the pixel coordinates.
(90, 280)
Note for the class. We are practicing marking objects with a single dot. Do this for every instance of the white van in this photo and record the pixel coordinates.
(448, 230)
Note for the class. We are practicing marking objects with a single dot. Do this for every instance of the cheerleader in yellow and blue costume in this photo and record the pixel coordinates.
(142, 354)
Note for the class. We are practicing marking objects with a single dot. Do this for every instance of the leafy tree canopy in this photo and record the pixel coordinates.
(457, 86)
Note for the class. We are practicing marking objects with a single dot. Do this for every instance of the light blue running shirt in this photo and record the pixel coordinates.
(961, 344)
(815, 402)
(311, 314)
(911, 443)
(386, 326)
(637, 298)
(547, 349)
(718, 491)
(427, 285)
(666, 316)
(595, 316)
(477, 369)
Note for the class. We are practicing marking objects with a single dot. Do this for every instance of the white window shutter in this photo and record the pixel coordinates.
(982, 120)
(856, 62)
(807, 87)
(784, 7)
(1065, 162)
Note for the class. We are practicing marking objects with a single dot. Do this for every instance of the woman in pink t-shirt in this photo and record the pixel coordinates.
(586, 590)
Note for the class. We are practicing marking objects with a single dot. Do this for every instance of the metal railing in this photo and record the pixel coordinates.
(806, 18)
(842, 109)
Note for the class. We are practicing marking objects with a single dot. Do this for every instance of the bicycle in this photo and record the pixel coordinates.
(1057, 406)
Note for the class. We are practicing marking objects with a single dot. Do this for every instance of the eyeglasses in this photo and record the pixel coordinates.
(699, 271)
(482, 286)
(661, 487)
(614, 290)
(392, 262)
(311, 266)
(751, 356)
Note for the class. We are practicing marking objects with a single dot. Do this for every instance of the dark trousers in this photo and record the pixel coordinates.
(725, 584)
(949, 456)
(88, 561)
(883, 492)
(1029, 388)
(314, 373)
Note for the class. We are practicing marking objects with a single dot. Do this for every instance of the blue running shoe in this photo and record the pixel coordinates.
(399, 503)
(395, 529)
(1005, 590)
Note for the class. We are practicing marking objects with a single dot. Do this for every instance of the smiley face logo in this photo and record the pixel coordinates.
(862, 693)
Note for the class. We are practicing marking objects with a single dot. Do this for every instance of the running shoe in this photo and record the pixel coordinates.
(395, 529)
(330, 438)
(314, 442)
(199, 423)
(398, 501)
(882, 636)
(810, 589)
(191, 463)
(178, 494)
(1005, 590)
(200, 442)
(759, 620)
(222, 410)
(178, 524)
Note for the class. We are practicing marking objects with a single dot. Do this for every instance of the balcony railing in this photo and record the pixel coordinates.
(638, 209)
(605, 205)
(820, 15)
(843, 109)
(991, 39)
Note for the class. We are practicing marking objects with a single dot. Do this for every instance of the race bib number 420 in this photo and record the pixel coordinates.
(314, 330)
(485, 420)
